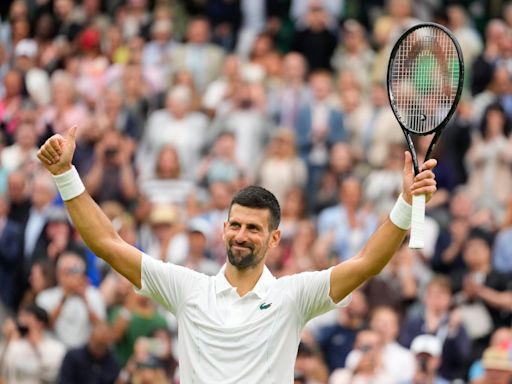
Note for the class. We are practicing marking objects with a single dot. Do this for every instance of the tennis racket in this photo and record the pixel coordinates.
(425, 79)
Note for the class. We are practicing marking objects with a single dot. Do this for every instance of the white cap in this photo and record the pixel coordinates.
(26, 47)
(426, 344)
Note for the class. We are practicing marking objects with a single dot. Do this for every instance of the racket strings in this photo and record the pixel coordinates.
(424, 78)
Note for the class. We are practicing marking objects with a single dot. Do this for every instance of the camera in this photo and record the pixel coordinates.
(110, 152)
(22, 329)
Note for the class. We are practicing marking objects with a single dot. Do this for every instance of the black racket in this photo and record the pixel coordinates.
(425, 79)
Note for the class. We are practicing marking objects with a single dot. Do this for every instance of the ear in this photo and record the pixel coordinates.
(275, 237)
(224, 227)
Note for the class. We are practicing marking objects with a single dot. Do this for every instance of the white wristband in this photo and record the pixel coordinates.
(69, 184)
(401, 214)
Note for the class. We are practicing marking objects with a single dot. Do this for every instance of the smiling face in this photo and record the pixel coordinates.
(248, 236)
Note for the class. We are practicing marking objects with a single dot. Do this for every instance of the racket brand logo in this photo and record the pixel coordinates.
(265, 306)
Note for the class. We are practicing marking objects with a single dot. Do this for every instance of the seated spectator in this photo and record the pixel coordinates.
(136, 316)
(163, 235)
(21, 155)
(364, 363)
(167, 184)
(31, 355)
(501, 336)
(221, 163)
(501, 250)
(198, 255)
(436, 318)
(93, 362)
(427, 352)
(309, 363)
(498, 366)
(396, 359)
(337, 340)
(73, 306)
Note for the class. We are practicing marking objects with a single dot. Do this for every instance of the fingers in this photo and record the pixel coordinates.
(51, 150)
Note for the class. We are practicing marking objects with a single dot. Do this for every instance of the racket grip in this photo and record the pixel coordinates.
(417, 239)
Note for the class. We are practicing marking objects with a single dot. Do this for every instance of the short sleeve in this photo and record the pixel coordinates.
(167, 283)
(310, 291)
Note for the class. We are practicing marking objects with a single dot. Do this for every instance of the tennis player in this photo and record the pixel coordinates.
(242, 325)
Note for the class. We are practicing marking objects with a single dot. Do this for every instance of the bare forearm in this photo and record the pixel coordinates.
(499, 300)
(97, 232)
(382, 246)
(374, 256)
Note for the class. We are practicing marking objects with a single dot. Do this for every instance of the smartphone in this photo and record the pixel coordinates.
(155, 346)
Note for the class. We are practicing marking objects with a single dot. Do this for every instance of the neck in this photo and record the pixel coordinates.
(243, 280)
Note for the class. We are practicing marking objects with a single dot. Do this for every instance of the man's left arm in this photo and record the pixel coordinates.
(382, 245)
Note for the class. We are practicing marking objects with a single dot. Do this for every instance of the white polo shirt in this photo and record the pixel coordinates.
(226, 339)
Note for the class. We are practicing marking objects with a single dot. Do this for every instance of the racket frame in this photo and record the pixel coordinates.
(418, 214)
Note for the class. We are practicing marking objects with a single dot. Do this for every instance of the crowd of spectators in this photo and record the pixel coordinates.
(180, 103)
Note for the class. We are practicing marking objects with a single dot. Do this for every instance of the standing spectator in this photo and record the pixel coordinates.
(112, 176)
(17, 195)
(281, 169)
(10, 104)
(177, 124)
(319, 127)
(427, 351)
(73, 306)
(349, 222)
(484, 64)
(197, 55)
(93, 362)
(42, 198)
(286, 100)
(489, 162)
(31, 355)
(353, 53)
(11, 253)
(315, 40)
(65, 109)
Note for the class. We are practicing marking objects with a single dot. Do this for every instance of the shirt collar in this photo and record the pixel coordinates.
(260, 289)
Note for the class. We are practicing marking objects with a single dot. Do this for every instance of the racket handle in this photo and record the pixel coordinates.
(417, 239)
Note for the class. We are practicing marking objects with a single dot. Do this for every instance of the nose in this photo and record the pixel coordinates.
(241, 235)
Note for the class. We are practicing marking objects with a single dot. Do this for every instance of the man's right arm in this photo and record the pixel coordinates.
(90, 221)
(99, 235)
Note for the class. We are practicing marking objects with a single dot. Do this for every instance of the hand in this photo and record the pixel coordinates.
(423, 183)
(57, 152)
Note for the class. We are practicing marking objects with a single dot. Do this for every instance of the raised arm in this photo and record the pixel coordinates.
(95, 228)
(383, 244)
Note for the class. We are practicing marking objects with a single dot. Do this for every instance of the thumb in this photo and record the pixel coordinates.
(71, 134)
(408, 162)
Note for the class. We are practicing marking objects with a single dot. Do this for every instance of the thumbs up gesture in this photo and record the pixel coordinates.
(57, 152)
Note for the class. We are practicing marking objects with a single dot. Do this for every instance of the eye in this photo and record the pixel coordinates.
(234, 225)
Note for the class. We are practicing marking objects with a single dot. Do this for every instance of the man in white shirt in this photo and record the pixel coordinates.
(242, 325)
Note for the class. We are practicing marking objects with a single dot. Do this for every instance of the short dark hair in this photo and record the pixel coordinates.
(258, 197)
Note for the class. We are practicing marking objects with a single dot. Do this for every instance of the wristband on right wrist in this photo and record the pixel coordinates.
(69, 184)
(401, 214)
